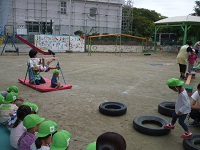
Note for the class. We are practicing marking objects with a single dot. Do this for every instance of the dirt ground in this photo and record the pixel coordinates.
(133, 79)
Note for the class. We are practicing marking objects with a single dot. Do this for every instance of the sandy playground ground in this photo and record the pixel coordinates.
(133, 79)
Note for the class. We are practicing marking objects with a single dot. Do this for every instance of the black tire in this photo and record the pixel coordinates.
(189, 144)
(112, 109)
(166, 108)
(139, 125)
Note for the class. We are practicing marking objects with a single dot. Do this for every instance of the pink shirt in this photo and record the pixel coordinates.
(192, 58)
(16, 133)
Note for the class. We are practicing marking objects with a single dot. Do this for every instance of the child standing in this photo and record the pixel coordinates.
(31, 123)
(182, 106)
(191, 60)
(54, 81)
(18, 129)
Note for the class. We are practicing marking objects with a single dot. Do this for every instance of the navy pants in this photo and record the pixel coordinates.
(180, 121)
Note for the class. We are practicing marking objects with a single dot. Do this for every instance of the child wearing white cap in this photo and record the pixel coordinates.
(44, 135)
(31, 123)
(60, 140)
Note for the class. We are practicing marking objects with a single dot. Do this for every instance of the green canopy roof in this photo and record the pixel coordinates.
(185, 22)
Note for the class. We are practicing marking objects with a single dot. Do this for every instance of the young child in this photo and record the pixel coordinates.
(34, 107)
(18, 129)
(12, 88)
(38, 65)
(192, 58)
(44, 136)
(182, 106)
(34, 69)
(108, 140)
(8, 90)
(60, 140)
(31, 123)
(54, 81)
(8, 106)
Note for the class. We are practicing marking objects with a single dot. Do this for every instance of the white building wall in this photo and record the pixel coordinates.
(107, 20)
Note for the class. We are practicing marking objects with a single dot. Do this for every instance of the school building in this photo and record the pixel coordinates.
(61, 17)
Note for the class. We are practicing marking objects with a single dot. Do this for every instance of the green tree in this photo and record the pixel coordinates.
(141, 21)
(197, 9)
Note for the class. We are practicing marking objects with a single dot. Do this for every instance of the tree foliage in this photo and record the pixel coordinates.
(141, 20)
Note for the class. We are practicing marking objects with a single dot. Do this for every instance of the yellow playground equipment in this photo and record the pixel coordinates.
(2, 39)
(118, 41)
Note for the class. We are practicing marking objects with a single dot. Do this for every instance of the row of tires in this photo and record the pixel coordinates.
(141, 123)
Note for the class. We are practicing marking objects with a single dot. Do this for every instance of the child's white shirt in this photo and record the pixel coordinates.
(183, 103)
(33, 147)
(15, 134)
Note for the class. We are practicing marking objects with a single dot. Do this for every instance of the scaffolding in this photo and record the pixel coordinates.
(127, 17)
(68, 16)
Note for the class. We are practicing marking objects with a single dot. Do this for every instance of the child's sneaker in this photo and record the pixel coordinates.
(186, 135)
(169, 126)
(194, 123)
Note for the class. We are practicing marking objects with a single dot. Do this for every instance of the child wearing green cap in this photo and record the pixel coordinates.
(54, 81)
(44, 136)
(8, 90)
(60, 140)
(37, 65)
(17, 128)
(8, 106)
(31, 123)
(34, 107)
(182, 106)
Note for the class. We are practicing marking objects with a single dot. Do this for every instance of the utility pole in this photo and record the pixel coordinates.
(70, 3)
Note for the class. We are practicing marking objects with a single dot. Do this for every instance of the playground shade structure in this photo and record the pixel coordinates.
(44, 87)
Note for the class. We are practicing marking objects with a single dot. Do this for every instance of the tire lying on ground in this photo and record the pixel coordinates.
(112, 109)
(166, 108)
(140, 124)
(190, 144)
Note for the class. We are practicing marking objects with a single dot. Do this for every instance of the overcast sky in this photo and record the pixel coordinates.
(168, 8)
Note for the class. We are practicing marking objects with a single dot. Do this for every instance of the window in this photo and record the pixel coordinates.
(63, 7)
(40, 27)
(93, 12)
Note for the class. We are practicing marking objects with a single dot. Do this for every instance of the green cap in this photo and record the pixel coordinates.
(12, 89)
(32, 120)
(174, 82)
(46, 128)
(56, 71)
(91, 146)
(10, 97)
(2, 101)
(33, 106)
(60, 140)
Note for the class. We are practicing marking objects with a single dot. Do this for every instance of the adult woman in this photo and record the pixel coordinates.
(182, 58)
